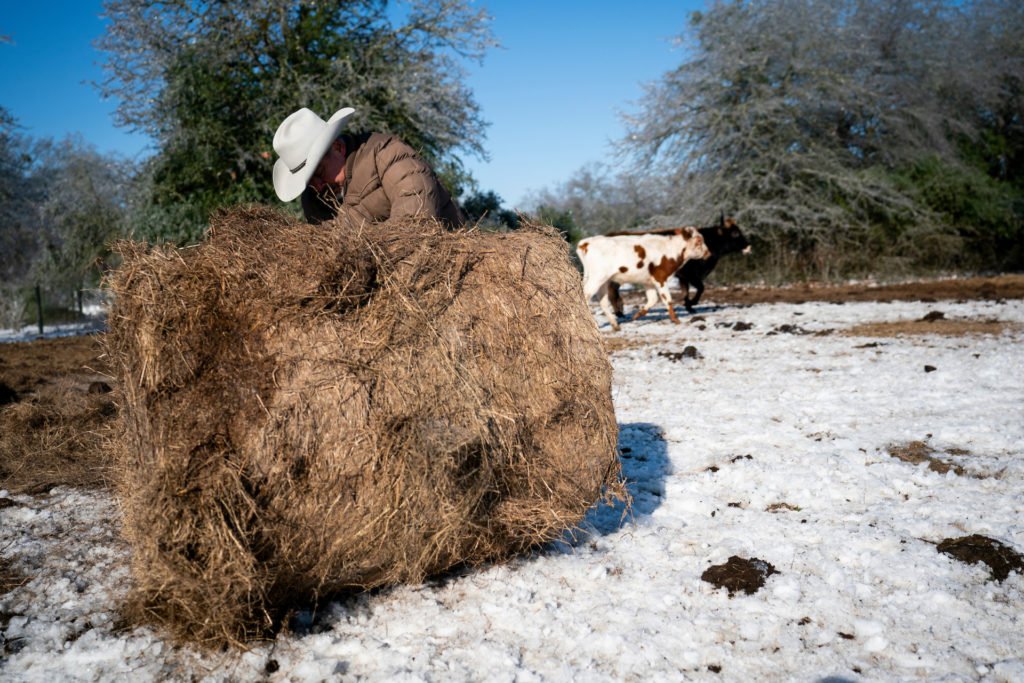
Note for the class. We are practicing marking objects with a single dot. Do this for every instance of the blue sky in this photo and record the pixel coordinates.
(554, 93)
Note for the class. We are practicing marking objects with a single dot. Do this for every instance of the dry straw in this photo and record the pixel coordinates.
(307, 410)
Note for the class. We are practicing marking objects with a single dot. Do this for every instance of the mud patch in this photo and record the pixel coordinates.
(1000, 558)
(741, 326)
(917, 452)
(676, 356)
(615, 343)
(796, 329)
(739, 574)
(779, 507)
(941, 326)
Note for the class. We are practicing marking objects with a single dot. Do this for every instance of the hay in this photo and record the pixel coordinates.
(308, 410)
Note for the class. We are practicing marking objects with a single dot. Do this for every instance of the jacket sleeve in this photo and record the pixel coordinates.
(411, 185)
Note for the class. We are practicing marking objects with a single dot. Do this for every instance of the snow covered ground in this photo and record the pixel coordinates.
(31, 332)
(770, 445)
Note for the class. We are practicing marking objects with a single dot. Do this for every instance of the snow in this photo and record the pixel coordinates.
(861, 593)
(31, 332)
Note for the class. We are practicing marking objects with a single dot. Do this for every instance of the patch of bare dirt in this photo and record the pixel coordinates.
(687, 352)
(55, 401)
(779, 507)
(739, 574)
(990, 288)
(56, 412)
(1000, 558)
(994, 288)
(945, 327)
(918, 452)
(615, 342)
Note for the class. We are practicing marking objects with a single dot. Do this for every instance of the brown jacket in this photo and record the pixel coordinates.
(385, 179)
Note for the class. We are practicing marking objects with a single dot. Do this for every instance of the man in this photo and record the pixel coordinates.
(370, 176)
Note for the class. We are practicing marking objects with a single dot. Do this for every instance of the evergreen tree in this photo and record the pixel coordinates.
(484, 209)
(210, 81)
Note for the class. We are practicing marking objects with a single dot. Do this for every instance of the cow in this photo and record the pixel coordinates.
(724, 238)
(646, 259)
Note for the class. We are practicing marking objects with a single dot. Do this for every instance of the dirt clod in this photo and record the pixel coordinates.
(739, 574)
(676, 356)
(1000, 558)
(7, 395)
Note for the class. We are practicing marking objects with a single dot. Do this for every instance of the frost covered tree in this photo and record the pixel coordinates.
(17, 195)
(807, 119)
(600, 201)
(210, 81)
(80, 213)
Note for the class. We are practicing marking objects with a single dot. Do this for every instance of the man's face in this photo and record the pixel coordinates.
(330, 173)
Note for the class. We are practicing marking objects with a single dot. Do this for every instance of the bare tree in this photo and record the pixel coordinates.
(82, 212)
(600, 201)
(17, 194)
(797, 116)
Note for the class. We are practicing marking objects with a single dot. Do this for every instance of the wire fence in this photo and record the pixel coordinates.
(42, 308)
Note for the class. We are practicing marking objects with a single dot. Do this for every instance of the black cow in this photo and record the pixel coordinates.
(724, 238)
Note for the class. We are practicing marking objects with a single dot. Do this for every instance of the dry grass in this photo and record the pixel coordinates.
(309, 410)
(52, 429)
(9, 578)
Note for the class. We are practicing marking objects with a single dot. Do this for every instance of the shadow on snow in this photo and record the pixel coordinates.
(645, 464)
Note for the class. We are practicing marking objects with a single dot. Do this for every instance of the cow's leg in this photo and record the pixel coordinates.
(606, 306)
(652, 298)
(590, 287)
(666, 298)
(615, 297)
(698, 286)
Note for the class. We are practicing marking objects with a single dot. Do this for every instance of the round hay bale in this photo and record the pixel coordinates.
(308, 410)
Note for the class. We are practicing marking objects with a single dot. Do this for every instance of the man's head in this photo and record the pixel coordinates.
(310, 153)
(330, 172)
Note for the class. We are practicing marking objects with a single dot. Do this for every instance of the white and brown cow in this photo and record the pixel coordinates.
(648, 260)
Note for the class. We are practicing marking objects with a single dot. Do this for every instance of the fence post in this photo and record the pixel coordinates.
(39, 307)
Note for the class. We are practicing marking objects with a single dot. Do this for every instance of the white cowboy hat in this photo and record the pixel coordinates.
(301, 142)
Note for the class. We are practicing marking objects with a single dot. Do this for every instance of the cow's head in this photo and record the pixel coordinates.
(729, 237)
(694, 248)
